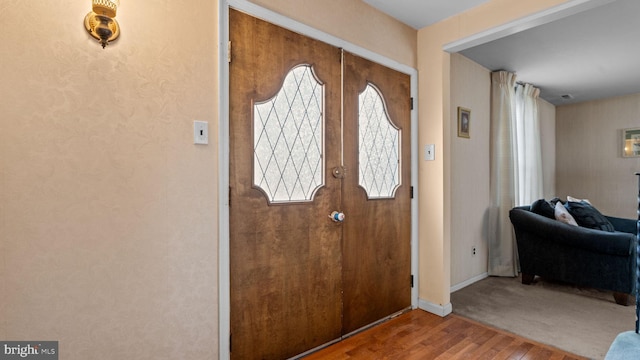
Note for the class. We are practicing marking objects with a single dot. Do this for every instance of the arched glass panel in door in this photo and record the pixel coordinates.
(378, 145)
(288, 139)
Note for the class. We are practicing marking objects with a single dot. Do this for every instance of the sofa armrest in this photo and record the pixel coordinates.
(613, 243)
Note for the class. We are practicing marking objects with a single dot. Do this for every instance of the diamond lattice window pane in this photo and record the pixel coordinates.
(379, 146)
(288, 139)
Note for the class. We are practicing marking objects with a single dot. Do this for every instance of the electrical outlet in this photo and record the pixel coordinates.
(473, 251)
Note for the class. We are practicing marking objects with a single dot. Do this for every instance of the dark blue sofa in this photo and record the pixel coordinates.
(577, 255)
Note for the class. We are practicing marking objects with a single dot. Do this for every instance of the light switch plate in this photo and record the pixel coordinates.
(200, 132)
(430, 152)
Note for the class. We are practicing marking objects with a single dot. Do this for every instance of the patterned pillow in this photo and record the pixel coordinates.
(588, 216)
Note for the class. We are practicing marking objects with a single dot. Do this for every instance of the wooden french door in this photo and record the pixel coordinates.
(376, 261)
(298, 278)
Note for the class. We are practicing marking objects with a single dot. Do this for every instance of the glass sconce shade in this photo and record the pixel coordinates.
(106, 7)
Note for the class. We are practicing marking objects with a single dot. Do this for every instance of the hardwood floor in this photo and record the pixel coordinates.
(421, 335)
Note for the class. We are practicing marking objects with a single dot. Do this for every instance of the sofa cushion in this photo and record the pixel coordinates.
(542, 207)
(588, 216)
(562, 214)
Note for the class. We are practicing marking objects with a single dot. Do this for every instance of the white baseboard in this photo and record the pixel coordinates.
(444, 310)
(440, 310)
(466, 283)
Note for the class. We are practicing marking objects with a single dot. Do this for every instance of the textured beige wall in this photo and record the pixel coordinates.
(470, 171)
(108, 212)
(547, 113)
(435, 128)
(353, 21)
(589, 154)
(470, 166)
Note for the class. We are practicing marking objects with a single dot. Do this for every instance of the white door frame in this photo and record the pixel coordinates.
(224, 299)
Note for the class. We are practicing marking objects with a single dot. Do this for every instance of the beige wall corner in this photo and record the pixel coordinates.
(434, 128)
(470, 172)
(547, 113)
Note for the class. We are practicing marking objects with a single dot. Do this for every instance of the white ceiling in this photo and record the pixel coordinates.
(590, 55)
(421, 13)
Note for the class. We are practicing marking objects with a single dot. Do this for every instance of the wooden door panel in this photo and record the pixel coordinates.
(377, 232)
(285, 259)
(292, 269)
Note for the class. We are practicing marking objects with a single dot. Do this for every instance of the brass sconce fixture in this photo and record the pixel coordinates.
(100, 23)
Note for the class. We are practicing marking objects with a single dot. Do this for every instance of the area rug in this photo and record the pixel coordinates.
(583, 321)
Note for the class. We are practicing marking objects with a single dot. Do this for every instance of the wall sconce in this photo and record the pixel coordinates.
(100, 23)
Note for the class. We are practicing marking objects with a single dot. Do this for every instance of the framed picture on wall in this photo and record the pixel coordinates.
(631, 142)
(464, 122)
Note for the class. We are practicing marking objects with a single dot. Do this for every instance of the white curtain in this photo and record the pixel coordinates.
(516, 165)
(528, 148)
(502, 247)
